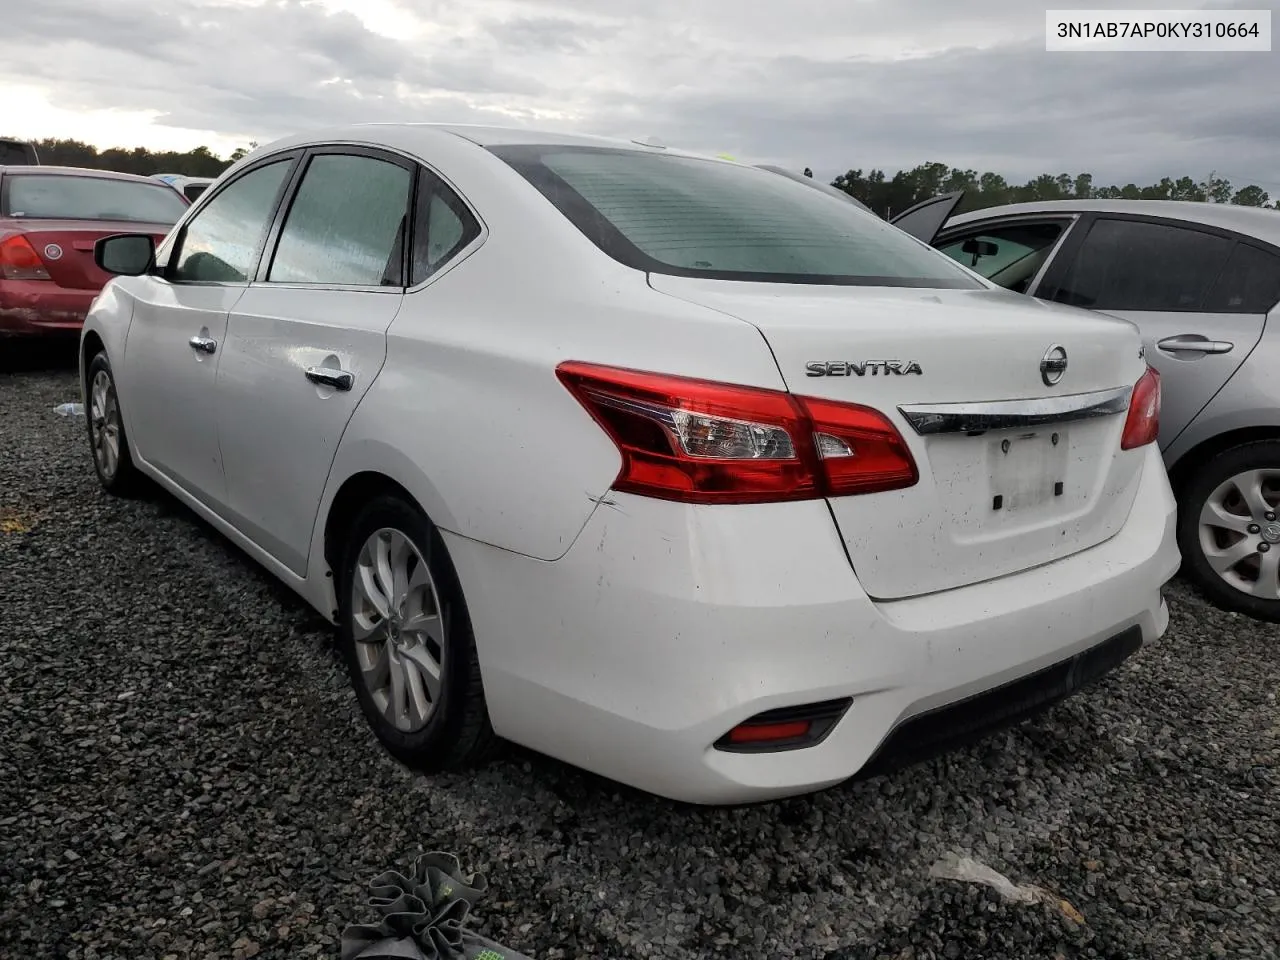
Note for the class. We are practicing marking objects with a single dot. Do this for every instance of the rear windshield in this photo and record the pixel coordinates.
(701, 218)
(42, 197)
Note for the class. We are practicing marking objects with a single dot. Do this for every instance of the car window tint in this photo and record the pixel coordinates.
(1020, 250)
(344, 224)
(1249, 284)
(1134, 265)
(442, 226)
(220, 244)
(671, 214)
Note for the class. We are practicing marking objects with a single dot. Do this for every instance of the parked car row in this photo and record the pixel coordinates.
(674, 468)
(189, 187)
(1201, 281)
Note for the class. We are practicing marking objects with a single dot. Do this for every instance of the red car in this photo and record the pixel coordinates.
(49, 220)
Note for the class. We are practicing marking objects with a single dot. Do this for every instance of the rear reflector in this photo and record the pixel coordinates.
(699, 441)
(787, 728)
(19, 260)
(1142, 425)
(764, 732)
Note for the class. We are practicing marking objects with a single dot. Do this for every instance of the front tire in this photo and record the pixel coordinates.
(108, 442)
(405, 634)
(1228, 531)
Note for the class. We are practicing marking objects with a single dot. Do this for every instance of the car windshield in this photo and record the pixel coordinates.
(61, 197)
(703, 218)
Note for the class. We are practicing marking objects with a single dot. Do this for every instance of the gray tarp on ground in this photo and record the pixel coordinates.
(423, 916)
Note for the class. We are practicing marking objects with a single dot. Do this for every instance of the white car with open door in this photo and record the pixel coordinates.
(1202, 282)
(670, 467)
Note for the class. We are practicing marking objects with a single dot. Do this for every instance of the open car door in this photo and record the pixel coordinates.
(926, 218)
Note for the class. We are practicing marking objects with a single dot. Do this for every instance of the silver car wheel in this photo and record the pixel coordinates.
(1240, 535)
(398, 629)
(104, 424)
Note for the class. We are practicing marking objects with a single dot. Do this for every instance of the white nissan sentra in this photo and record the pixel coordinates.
(670, 467)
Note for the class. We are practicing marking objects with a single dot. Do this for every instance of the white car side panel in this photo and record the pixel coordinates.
(171, 384)
(277, 430)
(109, 317)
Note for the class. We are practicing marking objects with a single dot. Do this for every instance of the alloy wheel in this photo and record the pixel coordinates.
(104, 424)
(398, 629)
(1240, 534)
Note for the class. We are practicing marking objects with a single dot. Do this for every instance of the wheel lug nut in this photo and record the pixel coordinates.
(1264, 547)
(1254, 528)
(1271, 517)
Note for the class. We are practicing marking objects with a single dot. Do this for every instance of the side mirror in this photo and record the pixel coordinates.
(126, 254)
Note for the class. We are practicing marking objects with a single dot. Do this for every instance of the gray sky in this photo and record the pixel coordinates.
(831, 84)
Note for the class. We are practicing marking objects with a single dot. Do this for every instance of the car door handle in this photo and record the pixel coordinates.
(1186, 343)
(203, 344)
(329, 377)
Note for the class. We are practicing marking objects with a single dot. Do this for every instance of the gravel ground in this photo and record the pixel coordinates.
(184, 773)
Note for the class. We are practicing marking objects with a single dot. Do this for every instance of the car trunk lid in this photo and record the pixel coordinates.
(1027, 471)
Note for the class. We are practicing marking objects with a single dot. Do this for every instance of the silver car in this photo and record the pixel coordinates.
(1202, 282)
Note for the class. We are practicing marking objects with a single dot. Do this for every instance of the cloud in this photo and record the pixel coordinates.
(820, 83)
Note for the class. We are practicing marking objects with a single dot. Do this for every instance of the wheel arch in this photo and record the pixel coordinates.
(356, 491)
(1182, 470)
(91, 344)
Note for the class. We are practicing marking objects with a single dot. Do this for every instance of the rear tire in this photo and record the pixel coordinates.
(405, 634)
(108, 442)
(1228, 531)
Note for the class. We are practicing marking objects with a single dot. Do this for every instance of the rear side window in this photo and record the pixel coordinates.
(1009, 255)
(346, 224)
(35, 196)
(220, 244)
(1249, 284)
(700, 218)
(1135, 265)
(442, 227)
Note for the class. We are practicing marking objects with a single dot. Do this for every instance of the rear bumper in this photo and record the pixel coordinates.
(37, 307)
(666, 625)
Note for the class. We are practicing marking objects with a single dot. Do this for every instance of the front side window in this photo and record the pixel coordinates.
(221, 243)
(701, 218)
(33, 196)
(346, 224)
(1137, 265)
(1008, 255)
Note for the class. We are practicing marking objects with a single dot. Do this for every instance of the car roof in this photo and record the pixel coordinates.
(417, 137)
(74, 172)
(1257, 222)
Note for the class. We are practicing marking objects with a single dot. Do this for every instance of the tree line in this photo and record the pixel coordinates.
(891, 195)
(884, 194)
(200, 162)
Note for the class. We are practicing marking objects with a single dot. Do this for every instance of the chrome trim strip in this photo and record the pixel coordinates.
(932, 419)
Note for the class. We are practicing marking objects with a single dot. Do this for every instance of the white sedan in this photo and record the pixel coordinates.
(669, 467)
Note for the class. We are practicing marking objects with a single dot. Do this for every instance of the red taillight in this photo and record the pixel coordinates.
(699, 441)
(1142, 425)
(19, 260)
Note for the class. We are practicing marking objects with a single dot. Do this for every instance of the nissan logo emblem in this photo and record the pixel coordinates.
(1053, 365)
